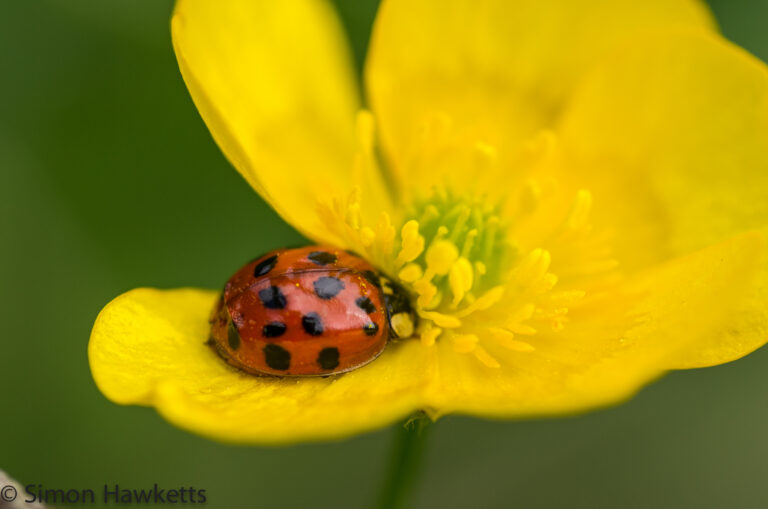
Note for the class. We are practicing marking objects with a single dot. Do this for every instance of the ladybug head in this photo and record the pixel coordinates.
(400, 312)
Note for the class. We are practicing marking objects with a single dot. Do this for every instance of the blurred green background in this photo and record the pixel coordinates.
(109, 180)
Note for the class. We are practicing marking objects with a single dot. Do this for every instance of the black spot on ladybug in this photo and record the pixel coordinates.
(328, 358)
(265, 266)
(365, 304)
(312, 323)
(350, 252)
(370, 329)
(322, 257)
(272, 298)
(273, 330)
(372, 278)
(328, 287)
(233, 336)
(277, 357)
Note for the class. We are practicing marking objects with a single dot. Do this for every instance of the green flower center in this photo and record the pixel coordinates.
(465, 248)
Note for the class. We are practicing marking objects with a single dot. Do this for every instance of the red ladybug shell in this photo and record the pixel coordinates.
(308, 311)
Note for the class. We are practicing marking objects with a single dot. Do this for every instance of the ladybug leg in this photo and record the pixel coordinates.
(400, 313)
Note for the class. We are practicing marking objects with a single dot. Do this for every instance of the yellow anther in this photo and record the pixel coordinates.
(507, 339)
(464, 343)
(437, 299)
(429, 336)
(489, 298)
(487, 359)
(410, 273)
(440, 257)
(460, 278)
(412, 243)
(385, 233)
(427, 293)
(522, 314)
(484, 302)
(440, 319)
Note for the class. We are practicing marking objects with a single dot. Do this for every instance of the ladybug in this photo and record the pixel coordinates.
(311, 311)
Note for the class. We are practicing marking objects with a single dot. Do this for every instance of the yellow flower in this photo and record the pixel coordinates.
(574, 192)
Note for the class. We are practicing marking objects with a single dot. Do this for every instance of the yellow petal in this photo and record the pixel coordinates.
(671, 135)
(275, 85)
(611, 348)
(147, 348)
(499, 69)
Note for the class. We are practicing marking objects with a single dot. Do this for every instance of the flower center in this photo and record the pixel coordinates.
(482, 271)
(454, 248)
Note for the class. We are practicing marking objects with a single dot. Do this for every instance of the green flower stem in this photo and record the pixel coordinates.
(405, 463)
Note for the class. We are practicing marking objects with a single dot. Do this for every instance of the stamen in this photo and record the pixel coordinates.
(485, 301)
(413, 243)
(523, 314)
(410, 273)
(469, 242)
(507, 339)
(430, 334)
(385, 234)
(482, 272)
(440, 319)
(483, 356)
(428, 294)
(440, 257)
(460, 277)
